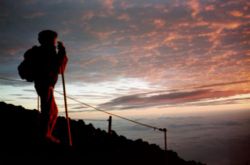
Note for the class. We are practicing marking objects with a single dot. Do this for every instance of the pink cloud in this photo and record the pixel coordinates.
(209, 8)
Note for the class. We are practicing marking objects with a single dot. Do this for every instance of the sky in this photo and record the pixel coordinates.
(159, 61)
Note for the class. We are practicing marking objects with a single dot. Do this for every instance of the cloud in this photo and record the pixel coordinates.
(108, 7)
(171, 99)
(209, 8)
(223, 84)
(236, 13)
(159, 23)
(168, 44)
(195, 6)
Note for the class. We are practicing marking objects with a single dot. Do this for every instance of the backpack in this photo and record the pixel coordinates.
(26, 68)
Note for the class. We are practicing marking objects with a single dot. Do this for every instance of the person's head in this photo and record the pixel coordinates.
(47, 37)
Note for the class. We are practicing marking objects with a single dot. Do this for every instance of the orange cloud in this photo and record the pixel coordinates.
(236, 13)
(151, 46)
(168, 41)
(218, 28)
(232, 25)
(171, 37)
(225, 25)
(223, 57)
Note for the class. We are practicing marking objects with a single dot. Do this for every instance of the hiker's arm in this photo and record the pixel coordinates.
(62, 57)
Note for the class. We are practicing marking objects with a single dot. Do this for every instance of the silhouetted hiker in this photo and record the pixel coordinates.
(47, 63)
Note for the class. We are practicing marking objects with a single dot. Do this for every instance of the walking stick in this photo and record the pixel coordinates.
(66, 110)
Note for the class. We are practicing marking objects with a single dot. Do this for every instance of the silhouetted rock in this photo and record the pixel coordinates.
(20, 142)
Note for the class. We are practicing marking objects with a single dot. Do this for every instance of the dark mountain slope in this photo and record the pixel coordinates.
(20, 143)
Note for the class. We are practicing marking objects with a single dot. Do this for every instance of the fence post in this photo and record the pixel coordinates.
(110, 125)
(164, 130)
(165, 144)
(165, 138)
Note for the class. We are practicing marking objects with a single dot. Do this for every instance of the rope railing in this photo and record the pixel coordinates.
(112, 114)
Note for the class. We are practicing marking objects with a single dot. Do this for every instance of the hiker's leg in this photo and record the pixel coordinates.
(43, 92)
(53, 110)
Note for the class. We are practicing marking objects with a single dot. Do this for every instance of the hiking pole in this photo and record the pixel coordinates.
(66, 110)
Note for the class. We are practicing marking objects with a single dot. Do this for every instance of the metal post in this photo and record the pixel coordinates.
(110, 125)
(164, 130)
(165, 138)
(66, 110)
